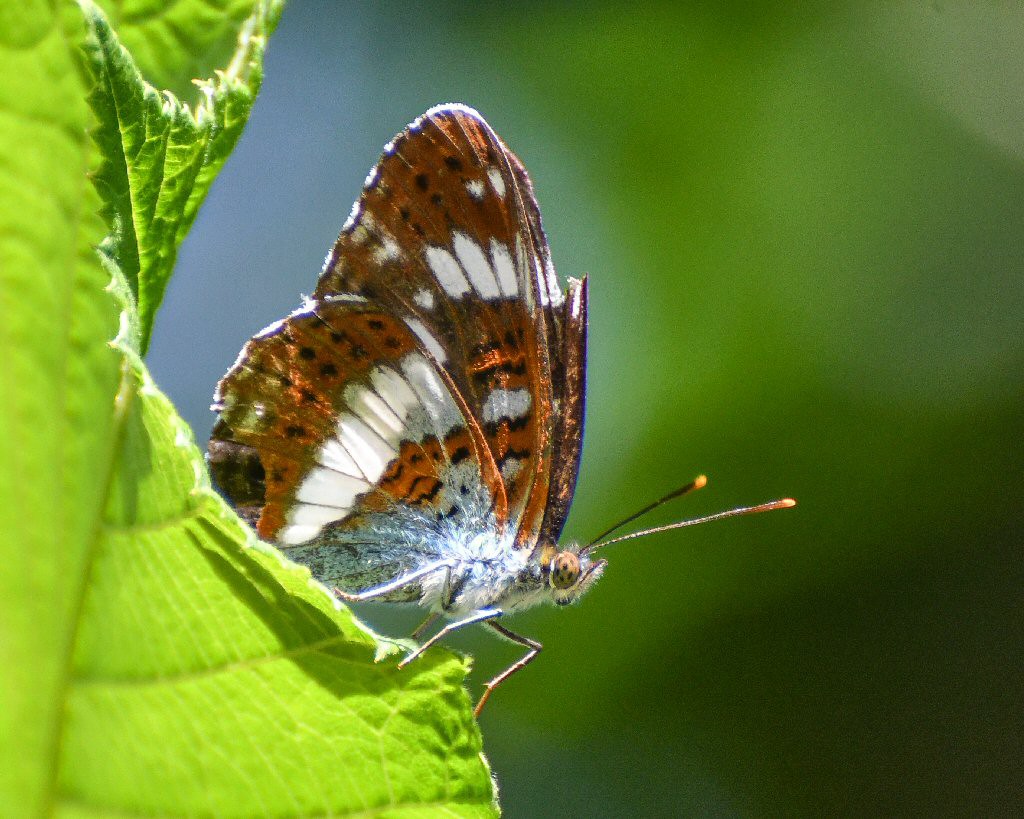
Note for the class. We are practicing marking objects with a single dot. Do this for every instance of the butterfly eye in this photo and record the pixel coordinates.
(565, 570)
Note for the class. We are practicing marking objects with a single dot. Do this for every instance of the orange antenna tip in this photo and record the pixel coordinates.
(770, 506)
(697, 483)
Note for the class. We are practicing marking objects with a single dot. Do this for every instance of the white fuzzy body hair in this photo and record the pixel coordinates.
(485, 571)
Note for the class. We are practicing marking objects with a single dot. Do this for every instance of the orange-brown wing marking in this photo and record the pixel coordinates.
(503, 365)
(412, 478)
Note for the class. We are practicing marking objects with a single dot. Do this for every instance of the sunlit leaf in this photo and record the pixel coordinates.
(155, 657)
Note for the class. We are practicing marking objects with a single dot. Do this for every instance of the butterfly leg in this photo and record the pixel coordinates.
(447, 590)
(476, 617)
(422, 627)
(445, 600)
(394, 585)
(534, 647)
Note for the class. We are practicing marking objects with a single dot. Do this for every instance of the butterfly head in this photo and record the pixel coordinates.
(570, 573)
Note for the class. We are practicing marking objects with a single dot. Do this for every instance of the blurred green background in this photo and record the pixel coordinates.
(803, 224)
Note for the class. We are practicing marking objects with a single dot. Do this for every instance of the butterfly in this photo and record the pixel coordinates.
(412, 433)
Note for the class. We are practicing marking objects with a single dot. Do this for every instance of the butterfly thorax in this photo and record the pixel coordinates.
(485, 571)
(490, 574)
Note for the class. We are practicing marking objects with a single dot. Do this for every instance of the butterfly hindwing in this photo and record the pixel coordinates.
(361, 422)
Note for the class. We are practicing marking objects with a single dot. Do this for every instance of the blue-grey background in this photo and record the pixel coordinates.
(805, 229)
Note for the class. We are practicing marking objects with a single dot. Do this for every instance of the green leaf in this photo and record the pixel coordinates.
(158, 158)
(58, 378)
(174, 41)
(211, 677)
(154, 657)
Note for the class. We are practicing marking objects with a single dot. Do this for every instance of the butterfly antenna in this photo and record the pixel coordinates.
(784, 503)
(697, 483)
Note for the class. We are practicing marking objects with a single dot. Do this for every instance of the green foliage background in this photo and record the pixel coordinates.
(803, 225)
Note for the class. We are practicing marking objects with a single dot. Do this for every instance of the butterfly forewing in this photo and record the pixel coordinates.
(447, 235)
